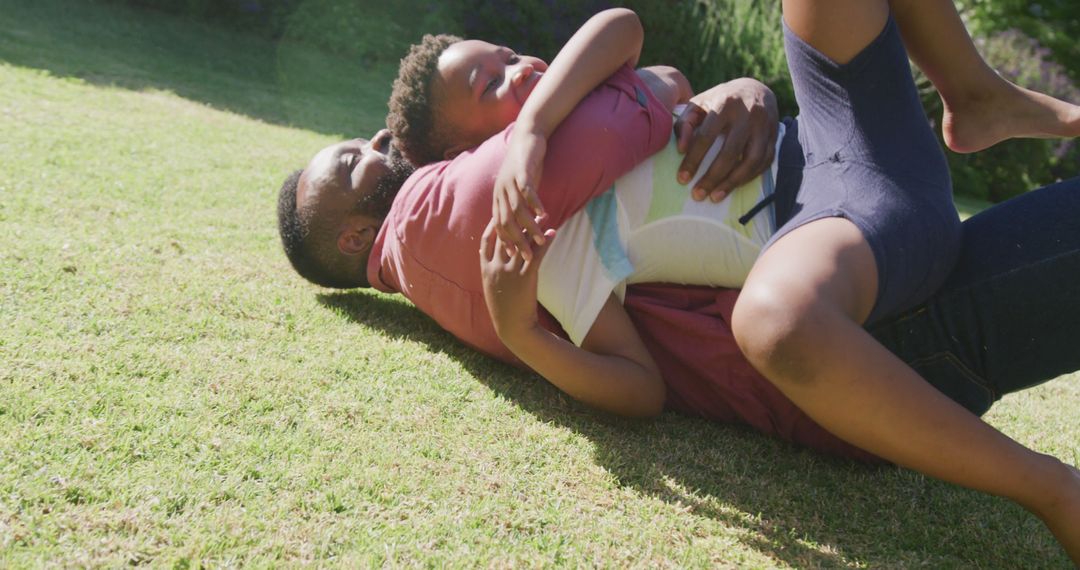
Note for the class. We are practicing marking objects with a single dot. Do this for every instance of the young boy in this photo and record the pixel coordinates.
(632, 234)
(452, 94)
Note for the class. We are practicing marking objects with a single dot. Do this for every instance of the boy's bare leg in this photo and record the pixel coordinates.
(981, 107)
(798, 321)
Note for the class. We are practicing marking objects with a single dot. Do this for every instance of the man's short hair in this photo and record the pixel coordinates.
(412, 119)
(311, 243)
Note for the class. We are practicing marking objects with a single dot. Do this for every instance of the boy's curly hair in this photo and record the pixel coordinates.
(412, 108)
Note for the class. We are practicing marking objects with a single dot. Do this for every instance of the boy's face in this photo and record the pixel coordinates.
(481, 88)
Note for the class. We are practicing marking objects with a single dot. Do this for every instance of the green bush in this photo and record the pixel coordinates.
(263, 17)
(710, 40)
(372, 30)
(714, 41)
(1015, 166)
(535, 27)
(1053, 23)
(376, 32)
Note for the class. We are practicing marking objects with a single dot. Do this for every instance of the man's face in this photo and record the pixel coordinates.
(342, 176)
(482, 87)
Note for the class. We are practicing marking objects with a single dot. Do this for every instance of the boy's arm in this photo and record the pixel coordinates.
(613, 370)
(668, 84)
(608, 41)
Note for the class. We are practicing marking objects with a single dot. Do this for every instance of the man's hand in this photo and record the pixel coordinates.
(744, 112)
(510, 283)
(515, 205)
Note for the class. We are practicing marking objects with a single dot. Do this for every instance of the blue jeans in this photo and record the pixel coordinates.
(1008, 317)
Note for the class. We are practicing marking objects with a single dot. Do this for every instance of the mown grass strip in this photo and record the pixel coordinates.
(173, 395)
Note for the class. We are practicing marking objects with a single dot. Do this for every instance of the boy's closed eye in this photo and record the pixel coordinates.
(498, 79)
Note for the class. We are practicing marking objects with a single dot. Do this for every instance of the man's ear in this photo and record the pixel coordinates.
(357, 235)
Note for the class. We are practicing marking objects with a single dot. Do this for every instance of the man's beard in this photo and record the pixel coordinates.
(377, 204)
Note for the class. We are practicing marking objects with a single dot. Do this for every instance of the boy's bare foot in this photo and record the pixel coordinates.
(989, 116)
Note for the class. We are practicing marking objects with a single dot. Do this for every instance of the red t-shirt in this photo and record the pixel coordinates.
(428, 249)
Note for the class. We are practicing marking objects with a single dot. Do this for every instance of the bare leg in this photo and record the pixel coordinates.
(798, 321)
(981, 107)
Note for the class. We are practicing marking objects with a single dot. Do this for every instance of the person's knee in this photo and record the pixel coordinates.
(776, 330)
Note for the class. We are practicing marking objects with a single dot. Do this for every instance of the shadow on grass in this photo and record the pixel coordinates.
(798, 507)
(115, 45)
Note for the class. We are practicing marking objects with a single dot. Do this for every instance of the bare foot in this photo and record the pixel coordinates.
(1006, 111)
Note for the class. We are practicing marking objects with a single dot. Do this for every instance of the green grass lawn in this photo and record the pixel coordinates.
(171, 394)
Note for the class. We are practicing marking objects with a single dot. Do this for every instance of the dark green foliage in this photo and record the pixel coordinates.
(713, 41)
(536, 27)
(709, 40)
(257, 16)
(370, 30)
(1054, 23)
(1034, 45)
(1015, 166)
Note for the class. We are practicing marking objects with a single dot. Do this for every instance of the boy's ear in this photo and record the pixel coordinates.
(455, 150)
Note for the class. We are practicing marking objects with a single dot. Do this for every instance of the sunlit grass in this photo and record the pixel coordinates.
(171, 394)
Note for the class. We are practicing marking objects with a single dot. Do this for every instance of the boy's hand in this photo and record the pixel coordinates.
(515, 206)
(510, 283)
(744, 112)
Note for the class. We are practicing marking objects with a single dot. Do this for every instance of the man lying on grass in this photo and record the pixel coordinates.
(441, 212)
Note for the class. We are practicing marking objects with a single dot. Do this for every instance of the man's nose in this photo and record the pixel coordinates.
(380, 138)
